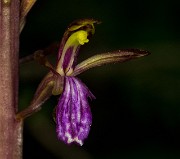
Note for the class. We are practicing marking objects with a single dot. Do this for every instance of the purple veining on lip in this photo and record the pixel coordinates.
(73, 114)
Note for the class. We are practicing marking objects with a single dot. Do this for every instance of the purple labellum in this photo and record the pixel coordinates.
(73, 114)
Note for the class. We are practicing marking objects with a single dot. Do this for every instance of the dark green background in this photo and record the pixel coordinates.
(137, 110)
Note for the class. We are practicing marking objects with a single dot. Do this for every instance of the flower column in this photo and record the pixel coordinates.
(10, 129)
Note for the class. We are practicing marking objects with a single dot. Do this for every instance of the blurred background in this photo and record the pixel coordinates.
(136, 113)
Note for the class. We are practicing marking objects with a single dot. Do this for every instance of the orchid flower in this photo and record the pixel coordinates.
(73, 113)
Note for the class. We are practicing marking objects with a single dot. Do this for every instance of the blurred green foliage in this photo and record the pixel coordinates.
(136, 113)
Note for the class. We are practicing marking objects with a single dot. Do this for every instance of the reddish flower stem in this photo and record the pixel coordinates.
(10, 129)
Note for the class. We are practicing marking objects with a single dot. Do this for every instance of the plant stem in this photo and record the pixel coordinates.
(10, 129)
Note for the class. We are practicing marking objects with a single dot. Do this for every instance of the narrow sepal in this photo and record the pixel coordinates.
(81, 24)
(73, 114)
(43, 92)
(26, 6)
(76, 35)
(110, 57)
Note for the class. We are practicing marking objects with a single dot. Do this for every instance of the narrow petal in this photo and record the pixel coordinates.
(85, 24)
(110, 57)
(73, 114)
(77, 34)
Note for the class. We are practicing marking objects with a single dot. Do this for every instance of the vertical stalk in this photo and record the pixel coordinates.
(10, 129)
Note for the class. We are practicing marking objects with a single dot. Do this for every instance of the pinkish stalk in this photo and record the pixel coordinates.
(10, 128)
